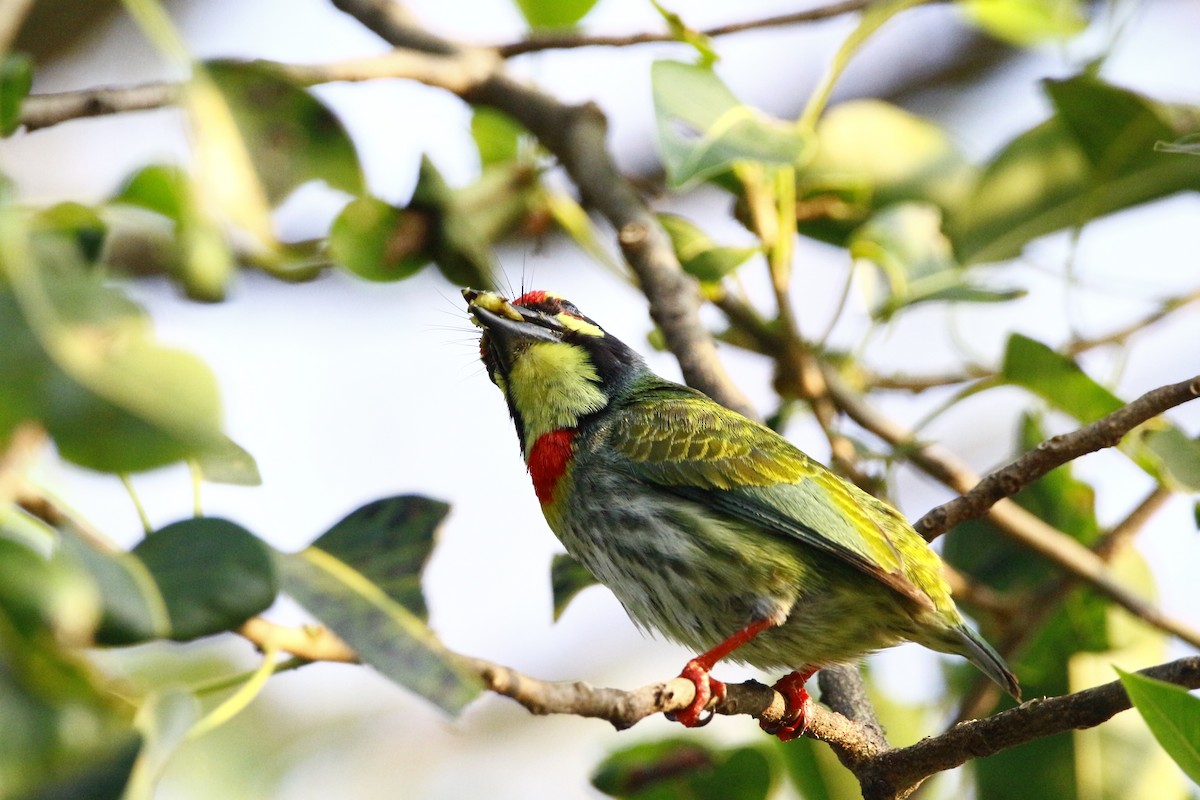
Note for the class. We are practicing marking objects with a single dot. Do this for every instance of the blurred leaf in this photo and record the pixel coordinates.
(815, 771)
(681, 768)
(872, 18)
(571, 217)
(906, 242)
(703, 129)
(224, 188)
(197, 254)
(567, 578)
(497, 136)
(47, 594)
(104, 775)
(112, 398)
(161, 188)
(65, 735)
(164, 720)
(378, 241)
(543, 14)
(77, 222)
(462, 250)
(682, 32)
(16, 78)
(1094, 157)
(1177, 457)
(228, 463)
(384, 633)
(212, 573)
(134, 610)
(1159, 447)
(1026, 22)
(869, 155)
(291, 136)
(1173, 716)
(388, 542)
(699, 255)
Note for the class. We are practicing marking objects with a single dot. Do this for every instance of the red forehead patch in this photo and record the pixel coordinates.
(531, 299)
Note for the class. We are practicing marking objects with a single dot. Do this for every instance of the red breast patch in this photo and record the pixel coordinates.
(548, 460)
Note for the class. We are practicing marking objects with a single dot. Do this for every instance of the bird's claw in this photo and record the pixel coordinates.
(799, 707)
(708, 689)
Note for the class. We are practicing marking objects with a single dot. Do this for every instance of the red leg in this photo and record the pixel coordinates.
(795, 720)
(709, 688)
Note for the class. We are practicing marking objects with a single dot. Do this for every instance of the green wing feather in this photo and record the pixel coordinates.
(683, 441)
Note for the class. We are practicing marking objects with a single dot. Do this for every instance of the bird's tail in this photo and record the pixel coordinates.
(984, 656)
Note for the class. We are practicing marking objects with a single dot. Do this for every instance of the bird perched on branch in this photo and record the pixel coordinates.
(707, 526)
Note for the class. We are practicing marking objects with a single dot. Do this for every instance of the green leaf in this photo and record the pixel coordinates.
(462, 247)
(873, 17)
(1094, 157)
(699, 255)
(161, 188)
(1173, 716)
(1177, 457)
(497, 136)
(228, 463)
(76, 222)
(567, 578)
(1026, 22)
(16, 79)
(682, 32)
(906, 242)
(550, 14)
(682, 768)
(388, 542)
(112, 397)
(384, 633)
(869, 155)
(292, 137)
(703, 129)
(212, 573)
(1159, 447)
(816, 772)
(1056, 379)
(378, 241)
(133, 609)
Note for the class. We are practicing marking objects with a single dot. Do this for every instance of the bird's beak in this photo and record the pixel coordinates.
(507, 328)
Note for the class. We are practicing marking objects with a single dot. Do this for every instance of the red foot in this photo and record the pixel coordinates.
(799, 705)
(708, 689)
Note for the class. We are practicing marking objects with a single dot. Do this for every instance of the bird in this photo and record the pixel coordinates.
(708, 527)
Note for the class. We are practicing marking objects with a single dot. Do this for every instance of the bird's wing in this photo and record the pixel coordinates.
(689, 445)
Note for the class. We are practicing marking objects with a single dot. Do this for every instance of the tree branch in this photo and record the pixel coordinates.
(456, 73)
(576, 134)
(897, 772)
(570, 41)
(1017, 523)
(884, 772)
(1052, 453)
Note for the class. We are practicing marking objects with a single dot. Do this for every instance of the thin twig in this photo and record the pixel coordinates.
(884, 772)
(1014, 521)
(571, 41)
(897, 772)
(457, 73)
(1054, 452)
(919, 383)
